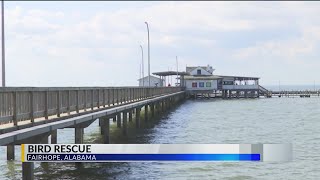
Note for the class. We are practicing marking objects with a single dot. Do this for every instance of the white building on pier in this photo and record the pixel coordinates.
(201, 80)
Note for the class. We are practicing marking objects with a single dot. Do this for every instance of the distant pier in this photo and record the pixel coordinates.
(294, 93)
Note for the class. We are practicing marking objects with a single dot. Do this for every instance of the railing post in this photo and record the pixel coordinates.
(108, 92)
(58, 103)
(98, 103)
(46, 97)
(31, 107)
(15, 109)
(120, 96)
(92, 97)
(113, 96)
(134, 94)
(127, 95)
(85, 100)
(68, 102)
(104, 97)
(77, 101)
(117, 96)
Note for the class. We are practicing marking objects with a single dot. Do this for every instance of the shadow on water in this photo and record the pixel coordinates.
(114, 170)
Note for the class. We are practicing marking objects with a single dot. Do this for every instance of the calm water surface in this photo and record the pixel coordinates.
(273, 120)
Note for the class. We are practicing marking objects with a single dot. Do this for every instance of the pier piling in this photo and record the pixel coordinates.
(152, 110)
(125, 123)
(10, 152)
(79, 135)
(54, 136)
(105, 129)
(119, 120)
(130, 115)
(27, 170)
(138, 117)
(146, 112)
(45, 140)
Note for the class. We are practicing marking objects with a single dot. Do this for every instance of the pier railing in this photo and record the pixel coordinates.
(24, 103)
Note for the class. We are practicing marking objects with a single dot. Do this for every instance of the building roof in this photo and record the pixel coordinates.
(240, 77)
(148, 76)
(212, 77)
(207, 68)
(169, 73)
(191, 68)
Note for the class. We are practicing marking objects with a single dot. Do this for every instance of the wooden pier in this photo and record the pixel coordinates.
(293, 93)
(32, 115)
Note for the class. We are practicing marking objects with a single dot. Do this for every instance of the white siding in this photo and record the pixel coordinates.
(189, 85)
(230, 87)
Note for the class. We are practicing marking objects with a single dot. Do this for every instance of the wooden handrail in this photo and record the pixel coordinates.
(28, 103)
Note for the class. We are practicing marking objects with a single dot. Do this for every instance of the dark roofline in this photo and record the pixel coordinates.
(241, 77)
(169, 73)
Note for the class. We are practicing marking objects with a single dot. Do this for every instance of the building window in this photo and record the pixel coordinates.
(201, 84)
(208, 84)
(194, 84)
(227, 82)
(199, 72)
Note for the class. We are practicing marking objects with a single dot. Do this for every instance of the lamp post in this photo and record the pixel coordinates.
(148, 53)
(3, 53)
(177, 69)
(142, 65)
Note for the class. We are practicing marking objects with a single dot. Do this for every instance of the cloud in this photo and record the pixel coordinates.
(286, 49)
(81, 47)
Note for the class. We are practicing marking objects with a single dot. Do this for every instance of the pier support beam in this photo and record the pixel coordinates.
(138, 117)
(27, 170)
(79, 135)
(101, 124)
(45, 140)
(158, 107)
(125, 123)
(119, 120)
(54, 137)
(162, 106)
(167, 104)
(10, 152)
(152, 110)
(237, 94)
(130, 115)
(105, 129)
(114, 119)
(79, 140)
(146, 112)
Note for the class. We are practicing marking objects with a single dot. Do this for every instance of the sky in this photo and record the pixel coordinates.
(97, 43)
